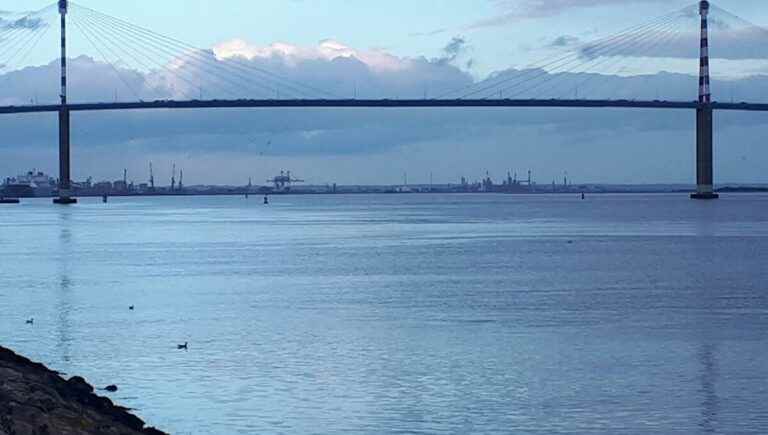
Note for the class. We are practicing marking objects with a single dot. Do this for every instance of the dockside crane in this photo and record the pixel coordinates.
(284, 180)
(151, 178)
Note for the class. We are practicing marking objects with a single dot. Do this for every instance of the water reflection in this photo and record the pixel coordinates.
(710, 404)
(64, 280)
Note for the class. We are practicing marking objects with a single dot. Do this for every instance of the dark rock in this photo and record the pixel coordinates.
(111, 388)
(37, 401)
(78, 384)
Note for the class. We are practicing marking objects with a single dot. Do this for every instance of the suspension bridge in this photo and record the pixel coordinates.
(249, 86)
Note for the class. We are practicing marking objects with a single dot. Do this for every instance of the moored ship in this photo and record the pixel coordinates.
(29, 185)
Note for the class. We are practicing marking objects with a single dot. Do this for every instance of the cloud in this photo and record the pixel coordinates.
(678, 37)
(728, 39)
(732, 45)
(331, 66)
(431, 33)
(564, 41)
(514, 10)
(552, 7)
(341, 145)
(327, 50)
(454, 50)
(341, 70)
(28, 23)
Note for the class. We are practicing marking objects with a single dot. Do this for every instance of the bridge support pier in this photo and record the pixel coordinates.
(65, 177)
(704, 155)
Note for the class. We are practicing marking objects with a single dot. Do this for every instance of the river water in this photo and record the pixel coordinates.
(402, 313)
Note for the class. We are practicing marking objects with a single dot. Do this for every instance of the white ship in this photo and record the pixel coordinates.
(33, 183)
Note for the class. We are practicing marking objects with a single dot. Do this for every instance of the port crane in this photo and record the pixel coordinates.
(284, 180)
(151, 178)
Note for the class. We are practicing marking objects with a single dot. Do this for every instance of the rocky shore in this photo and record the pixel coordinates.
(37, 401)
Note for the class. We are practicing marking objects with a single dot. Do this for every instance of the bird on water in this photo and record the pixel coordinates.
(184, 346)
(31, 322)
(131, 307)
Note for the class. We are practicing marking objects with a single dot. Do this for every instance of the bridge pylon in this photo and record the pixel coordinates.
(705, 188)
(65, 176)
(704, 155)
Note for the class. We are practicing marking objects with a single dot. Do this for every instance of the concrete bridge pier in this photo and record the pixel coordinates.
(704, 155)
(65, 176)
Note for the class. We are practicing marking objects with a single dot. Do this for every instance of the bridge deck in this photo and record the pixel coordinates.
(355, 103)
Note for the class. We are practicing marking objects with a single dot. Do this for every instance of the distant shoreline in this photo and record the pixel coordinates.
(639, 190)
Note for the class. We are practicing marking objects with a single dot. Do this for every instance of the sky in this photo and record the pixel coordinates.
(398, 49)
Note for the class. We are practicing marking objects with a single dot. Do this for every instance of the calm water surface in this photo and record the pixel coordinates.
(402, 314)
